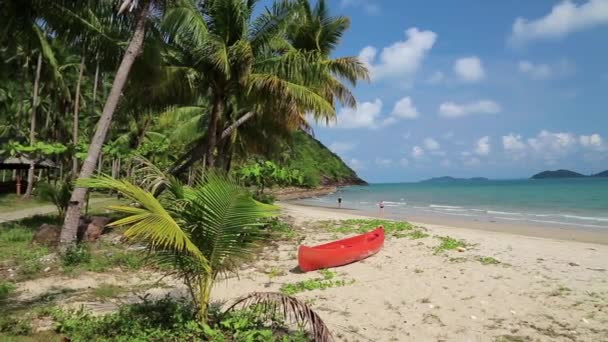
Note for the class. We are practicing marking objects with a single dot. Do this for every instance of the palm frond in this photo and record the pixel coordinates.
(272, 303)
(150, 222)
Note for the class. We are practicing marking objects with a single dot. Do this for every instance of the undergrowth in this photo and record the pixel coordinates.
(398, 229)
(327, 281)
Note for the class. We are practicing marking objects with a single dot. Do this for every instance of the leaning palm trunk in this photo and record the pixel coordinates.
(30, 173)
(70, 224)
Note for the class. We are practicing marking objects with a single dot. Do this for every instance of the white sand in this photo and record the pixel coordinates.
(550, 290)
(544, 290)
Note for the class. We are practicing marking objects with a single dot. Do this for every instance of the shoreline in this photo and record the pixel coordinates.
(566, 233)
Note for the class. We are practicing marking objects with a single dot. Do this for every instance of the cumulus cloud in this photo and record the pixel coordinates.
(565, 18)
(369, 6)
(593, 142)
(369, 114)
(365, 115)
(405, 109)
(454, 110)
(469, 69)
(431, 144)
(483, 147)
(341, 147)
(551, 146)
(400, 59)
(417, 152)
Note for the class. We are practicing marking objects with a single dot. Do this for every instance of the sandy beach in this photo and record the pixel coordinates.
(542, 290)
(502, 287)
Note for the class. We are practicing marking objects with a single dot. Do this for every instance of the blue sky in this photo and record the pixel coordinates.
(501, 89)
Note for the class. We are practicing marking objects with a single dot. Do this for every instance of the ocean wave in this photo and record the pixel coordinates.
(503, 213)
(451, 209)
(586, 218)
(444, 206)
(569, 223)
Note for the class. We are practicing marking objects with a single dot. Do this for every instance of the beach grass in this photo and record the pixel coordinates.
(328, 280)
(447, 243)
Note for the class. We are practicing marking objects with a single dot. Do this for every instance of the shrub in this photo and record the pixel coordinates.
(76, 254)
(5, 289)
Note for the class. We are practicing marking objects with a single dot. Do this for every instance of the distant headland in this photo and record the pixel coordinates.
(566, 174)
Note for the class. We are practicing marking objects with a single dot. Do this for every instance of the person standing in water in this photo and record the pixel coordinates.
(339, 202)
(381, 208)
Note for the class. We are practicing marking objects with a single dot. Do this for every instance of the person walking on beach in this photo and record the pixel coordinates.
(381, 208)
(339, 202)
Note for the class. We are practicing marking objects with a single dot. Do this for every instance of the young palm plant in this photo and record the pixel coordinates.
(202, 231)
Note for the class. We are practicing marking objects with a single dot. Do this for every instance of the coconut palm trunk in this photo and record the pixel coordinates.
(30, 173)
(218, 108)
(72, 217)
(76, 118)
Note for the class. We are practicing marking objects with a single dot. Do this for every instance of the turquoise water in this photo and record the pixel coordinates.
(574, 202)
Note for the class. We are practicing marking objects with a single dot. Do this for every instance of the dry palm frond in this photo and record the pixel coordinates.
(271, 303)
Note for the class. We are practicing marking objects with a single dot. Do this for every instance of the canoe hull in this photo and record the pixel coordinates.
(341, 252)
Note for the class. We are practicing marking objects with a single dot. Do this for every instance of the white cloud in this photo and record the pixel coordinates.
(404, 162)
(436, 78)
(536, 71)
(565, 18)
(417, 152)
(543, 70)
(384, 162)
(469, 69)
(453, 110)
(514, 145)
(405, 109)
(364, 116)
(552, 146)
(369, 6)
(445, 163)
(593, 142)
(431, 144)
(341, 147)
(401, 58)
(483, 147)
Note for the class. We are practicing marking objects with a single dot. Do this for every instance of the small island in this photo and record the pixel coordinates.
(565, 174)
(448, 179)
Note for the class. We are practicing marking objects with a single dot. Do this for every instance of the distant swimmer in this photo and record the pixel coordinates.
(381, 208)
(339, 202)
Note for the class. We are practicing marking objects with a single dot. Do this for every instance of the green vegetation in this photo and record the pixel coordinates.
(105, 291)
(317, 163)
(448, 243)
(484, 260)
(162, 320)
(281, 230)
(397, 229)
(12, 202)
(327, 281)
(5, 289)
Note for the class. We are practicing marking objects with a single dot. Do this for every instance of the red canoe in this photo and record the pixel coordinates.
(341, 252)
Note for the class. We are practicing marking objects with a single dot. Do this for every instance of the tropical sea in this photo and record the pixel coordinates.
(548, 202)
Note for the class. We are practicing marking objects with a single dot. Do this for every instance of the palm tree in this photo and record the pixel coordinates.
(202, 231)
(72, 217)
(267, 68)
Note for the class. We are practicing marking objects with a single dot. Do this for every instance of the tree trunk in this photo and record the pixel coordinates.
(70, 224)
(95, 82)
(216, 111)
(198, 152)
(30, 174)
(76, 119)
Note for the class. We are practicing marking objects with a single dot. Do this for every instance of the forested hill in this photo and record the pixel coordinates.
(316, 161)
